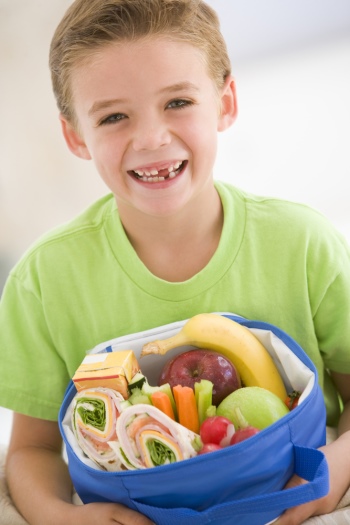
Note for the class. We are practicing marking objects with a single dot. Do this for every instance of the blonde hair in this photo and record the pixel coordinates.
(89, 25)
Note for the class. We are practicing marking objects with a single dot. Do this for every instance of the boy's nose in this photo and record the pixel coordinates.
(150, 135)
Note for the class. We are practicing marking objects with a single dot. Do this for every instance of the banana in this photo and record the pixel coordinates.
(227, 337)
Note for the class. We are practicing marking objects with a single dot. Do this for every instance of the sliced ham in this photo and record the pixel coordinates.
(94, 416)
(146, 438)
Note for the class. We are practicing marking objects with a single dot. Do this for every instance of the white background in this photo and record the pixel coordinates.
(291, 62)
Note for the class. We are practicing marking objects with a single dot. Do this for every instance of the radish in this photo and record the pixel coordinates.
(209, 447)
(243, 433)
(244, 430)
(217, 430)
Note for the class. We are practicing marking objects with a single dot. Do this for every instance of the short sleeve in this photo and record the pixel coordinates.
(33, 376)
(332, 319)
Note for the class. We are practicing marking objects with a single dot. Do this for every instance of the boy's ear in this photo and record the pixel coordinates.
(73, 139)
(228, 104)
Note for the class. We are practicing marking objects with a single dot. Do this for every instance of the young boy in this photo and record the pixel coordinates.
(142, 88)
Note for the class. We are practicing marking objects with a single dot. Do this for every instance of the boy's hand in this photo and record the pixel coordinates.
(106, 514)
(43, 491)
(338, 459)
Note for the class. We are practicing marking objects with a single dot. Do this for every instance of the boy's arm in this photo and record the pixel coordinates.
(342, 382)
(40, 485)
(338, 459)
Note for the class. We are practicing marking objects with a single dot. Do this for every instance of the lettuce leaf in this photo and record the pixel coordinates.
(160, 453)
(92, 412)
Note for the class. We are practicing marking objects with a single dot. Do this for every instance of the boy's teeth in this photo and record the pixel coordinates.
(154, 172)
(152, 175)
(153, 179)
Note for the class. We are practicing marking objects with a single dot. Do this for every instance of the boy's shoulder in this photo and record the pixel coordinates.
(89, 219)
(272, 207)
(274, 203)
(89, 222)
(285, 220)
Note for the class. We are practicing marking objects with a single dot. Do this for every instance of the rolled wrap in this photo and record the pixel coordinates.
(94, 416)
(149, 438)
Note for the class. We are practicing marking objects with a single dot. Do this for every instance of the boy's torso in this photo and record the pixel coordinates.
(92, 286)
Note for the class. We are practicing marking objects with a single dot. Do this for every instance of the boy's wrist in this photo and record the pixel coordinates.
(57, 512)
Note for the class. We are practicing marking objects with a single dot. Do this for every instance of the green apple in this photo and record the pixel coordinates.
(254, 405)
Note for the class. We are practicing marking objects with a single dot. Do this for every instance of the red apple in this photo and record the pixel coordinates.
(190, 367)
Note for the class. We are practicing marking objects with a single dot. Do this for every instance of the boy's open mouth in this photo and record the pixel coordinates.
(159, 174)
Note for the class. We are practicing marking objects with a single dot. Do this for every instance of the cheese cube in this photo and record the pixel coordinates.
(109, 369)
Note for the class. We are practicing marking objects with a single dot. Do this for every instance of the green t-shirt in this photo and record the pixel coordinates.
(83, 284)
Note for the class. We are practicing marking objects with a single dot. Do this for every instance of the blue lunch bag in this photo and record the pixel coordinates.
(242, 484)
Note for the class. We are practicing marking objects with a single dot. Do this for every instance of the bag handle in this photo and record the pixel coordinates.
(310, 464)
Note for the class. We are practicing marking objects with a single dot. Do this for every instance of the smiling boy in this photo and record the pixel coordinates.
(154, 146)
(143, 88)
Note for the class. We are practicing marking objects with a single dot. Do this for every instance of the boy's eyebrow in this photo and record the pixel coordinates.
(180, 86)
(105, 104)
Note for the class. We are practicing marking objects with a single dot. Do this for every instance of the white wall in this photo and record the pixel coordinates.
(291, 139)
(292, 136)
(291, 61)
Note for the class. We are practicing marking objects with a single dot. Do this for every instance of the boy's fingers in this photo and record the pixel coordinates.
(295, 515)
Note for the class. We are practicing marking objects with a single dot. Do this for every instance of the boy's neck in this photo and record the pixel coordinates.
(176, 248)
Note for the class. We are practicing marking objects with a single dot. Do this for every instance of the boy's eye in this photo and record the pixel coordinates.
(179, 103)
(111, 119)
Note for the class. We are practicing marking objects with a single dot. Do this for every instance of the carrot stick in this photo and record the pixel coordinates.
(186, 407)
(161, 400)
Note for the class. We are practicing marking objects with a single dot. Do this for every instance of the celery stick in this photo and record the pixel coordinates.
(204, 397)
(148, 390)
(211, 411)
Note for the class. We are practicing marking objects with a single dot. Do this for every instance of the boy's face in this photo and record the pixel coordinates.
(148, 115)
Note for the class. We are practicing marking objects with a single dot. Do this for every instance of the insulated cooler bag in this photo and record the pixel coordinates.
(241, 484)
